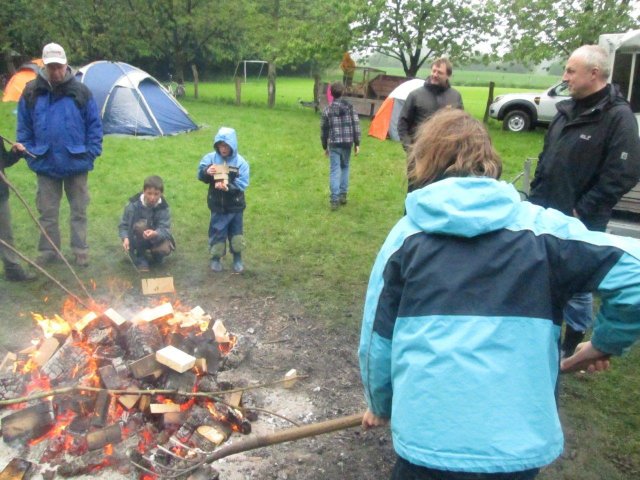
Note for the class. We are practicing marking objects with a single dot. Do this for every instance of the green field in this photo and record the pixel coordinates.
(298, 252)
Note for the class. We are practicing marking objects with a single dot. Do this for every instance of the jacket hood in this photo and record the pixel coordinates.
(463, 207)
(228, 136)
(43, 79)
(342, 106)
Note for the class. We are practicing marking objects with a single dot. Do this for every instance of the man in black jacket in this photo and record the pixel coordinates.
(590, 159)
(436, 93)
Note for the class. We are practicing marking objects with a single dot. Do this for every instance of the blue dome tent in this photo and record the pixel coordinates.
(132, 102)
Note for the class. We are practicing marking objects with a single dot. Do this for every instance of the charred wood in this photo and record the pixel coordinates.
(142, 340)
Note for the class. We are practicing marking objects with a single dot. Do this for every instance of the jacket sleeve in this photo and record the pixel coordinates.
(356, 127)
(324, 129)
(125, 221)
(24, 130)
(620, 170)
(163, 225)
(206, 161)
(617, 324)
(242, 180)
(405, 122)
(380, 313)
(93, 125)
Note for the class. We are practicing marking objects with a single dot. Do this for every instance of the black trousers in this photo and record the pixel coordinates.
(404, 470)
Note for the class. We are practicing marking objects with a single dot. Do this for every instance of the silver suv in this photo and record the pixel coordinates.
(523, 111)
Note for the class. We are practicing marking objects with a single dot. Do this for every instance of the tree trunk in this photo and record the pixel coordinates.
(8, 60)
(271, 88)
(194, 70)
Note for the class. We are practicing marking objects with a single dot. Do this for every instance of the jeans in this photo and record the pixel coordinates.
(578, 312)
(404, 470)
(48, 202)
(223, 226)
(338, 171)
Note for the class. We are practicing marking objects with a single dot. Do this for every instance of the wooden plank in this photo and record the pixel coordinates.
(175, 359)
(154, 286)
(164, 408)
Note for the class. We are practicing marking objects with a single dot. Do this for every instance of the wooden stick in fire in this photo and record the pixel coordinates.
(266, 440)
(43, 271)
(57, 250)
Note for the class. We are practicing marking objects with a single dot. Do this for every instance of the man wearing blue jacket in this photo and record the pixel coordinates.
(59, 123)
(463, 313)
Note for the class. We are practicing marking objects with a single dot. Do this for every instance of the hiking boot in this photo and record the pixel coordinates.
(47, 257)
(343, 199)
(15, 273)
(216, 265)
(238, 266)
(141, 264)
(334, 206)
(82, 259)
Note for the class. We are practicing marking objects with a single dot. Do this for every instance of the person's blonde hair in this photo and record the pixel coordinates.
(452, 144)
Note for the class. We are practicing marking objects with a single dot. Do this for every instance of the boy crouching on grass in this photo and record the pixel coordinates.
(227, 174)
(145, 228)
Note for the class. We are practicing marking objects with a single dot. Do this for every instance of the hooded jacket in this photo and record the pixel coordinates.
(589, 161)
(231, 201)
(60, 125)
(421, 104)
(459, 342)
(158, 218)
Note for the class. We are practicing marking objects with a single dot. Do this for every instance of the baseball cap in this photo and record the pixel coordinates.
(53, 53)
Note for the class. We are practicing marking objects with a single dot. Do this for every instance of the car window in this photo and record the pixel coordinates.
(562, 90)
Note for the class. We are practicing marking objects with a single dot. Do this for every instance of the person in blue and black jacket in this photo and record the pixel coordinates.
(460, 335)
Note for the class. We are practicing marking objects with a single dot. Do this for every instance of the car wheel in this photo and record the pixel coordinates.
(516, 121)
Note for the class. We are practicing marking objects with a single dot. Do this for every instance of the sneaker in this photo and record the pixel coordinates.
(216, 265)
(15, 273)
(343, 199)
(238, 266)
(82, 259)
(45, 258)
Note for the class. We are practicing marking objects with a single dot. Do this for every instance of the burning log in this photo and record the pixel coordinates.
(28, 423)
(104, 436)
(161, 312)
(65, 361)
(12, 386)
(142, 339)
(103, 401)
(208, 437)
(117, 319)
(6, 366)
(145, 366)
(17, 469)
(46, 350)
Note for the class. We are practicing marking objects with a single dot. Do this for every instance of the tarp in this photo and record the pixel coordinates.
(24, 74)
(385, 123)
(132, 102)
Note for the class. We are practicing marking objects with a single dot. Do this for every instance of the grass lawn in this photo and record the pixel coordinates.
(297, 250)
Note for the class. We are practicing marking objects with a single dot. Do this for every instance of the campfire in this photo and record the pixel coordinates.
(138, 394)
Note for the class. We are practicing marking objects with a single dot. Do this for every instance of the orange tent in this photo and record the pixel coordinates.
(385, 124)
(17, 82)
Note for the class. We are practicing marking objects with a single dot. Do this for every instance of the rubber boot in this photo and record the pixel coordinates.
(216, 264)
(238, 266)
(15, 273)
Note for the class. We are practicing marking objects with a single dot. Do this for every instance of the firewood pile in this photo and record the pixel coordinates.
(137, 395)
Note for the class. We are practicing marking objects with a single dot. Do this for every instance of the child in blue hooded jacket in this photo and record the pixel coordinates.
(227, 174)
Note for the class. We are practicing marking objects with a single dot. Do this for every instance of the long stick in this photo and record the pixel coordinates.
(283, 436)
(80, 388)
(47, 274)
(13, 143)
(20, 197)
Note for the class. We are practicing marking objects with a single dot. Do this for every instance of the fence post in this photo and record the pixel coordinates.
(485, 119)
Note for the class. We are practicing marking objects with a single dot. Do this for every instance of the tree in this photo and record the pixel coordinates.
(537, 30)
(285, 32)
(413, 31)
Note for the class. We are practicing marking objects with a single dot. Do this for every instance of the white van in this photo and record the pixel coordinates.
(624, 51)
